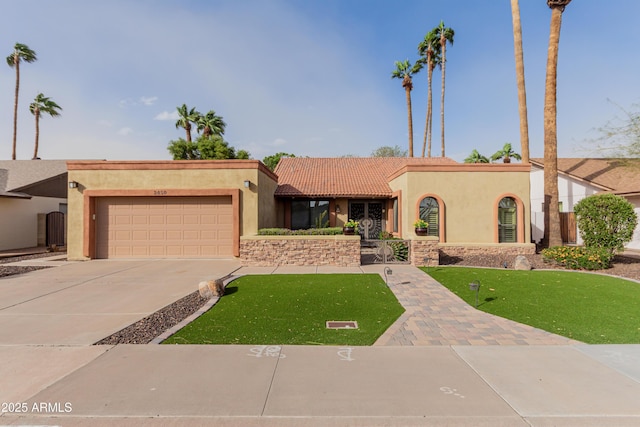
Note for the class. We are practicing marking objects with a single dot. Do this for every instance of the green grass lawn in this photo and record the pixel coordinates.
(591, 308)
(293, 309)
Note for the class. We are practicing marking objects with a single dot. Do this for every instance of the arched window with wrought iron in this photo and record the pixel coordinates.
(507, 220)
(429, 211)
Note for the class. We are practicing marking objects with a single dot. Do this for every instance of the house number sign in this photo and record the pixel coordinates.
(160, 192)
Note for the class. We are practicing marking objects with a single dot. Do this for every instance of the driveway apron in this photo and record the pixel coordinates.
(81, 303)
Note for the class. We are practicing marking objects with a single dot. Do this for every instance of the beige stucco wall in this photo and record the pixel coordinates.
(166, 176)
(470, 195)
(343, 216)
(19, 220)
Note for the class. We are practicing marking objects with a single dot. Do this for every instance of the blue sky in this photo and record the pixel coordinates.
(306, 77)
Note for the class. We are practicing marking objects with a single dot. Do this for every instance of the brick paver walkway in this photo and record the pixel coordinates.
(436, 316)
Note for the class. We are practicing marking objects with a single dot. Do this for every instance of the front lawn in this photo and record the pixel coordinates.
(293, 309)
(591, 308)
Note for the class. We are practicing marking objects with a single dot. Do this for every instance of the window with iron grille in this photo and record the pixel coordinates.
(507, 221)
(430, 212)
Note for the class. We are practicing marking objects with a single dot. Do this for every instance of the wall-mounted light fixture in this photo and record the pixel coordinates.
(337, 208)
(73, 184)
(247, 183)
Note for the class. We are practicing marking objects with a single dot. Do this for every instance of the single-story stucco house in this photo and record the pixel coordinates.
(29, 190)
(579, 178)
(186, 209)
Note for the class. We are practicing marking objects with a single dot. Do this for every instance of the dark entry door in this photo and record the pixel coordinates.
(369, 216)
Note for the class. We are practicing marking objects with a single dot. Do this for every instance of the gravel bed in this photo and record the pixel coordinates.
(10, 270)
(145, 330)
(623, 266)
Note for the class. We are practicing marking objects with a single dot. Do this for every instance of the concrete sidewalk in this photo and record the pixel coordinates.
(64, 381)
(341, 386)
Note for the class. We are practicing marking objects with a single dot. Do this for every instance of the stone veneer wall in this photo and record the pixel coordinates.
(424, 251)
(273, 251)
(492, 249)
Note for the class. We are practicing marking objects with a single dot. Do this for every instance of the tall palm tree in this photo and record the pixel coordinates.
(404, 71)
(186, 117)
(21, 52)
(552, 236)
(445, 34)
(42, 104)
(211, 124)
(429, 50)
(522, 92)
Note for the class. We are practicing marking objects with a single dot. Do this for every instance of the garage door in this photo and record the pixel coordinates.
(164, 227)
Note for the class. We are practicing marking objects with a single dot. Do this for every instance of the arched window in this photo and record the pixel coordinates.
(507, 220)
(430, 212)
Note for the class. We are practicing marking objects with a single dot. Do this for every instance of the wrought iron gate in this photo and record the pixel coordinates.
(391, 251)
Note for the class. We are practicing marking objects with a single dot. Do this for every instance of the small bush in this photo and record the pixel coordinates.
(606, 221)
(329, 231)
(578, 258)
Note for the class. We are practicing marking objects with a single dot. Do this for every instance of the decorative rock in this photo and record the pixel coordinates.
(521, 263)
(211, 288)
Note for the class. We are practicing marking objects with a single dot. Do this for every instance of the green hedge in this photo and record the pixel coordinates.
(329, 231)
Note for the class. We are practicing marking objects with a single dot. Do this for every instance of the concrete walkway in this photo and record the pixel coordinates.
(404, 380)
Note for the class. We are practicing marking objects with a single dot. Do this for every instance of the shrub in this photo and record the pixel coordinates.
(606, 221)
(329, 231)
(577, 258)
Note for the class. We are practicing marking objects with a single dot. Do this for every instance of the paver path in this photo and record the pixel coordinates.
(436, 316)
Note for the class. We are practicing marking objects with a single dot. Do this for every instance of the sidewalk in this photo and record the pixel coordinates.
(143, 385)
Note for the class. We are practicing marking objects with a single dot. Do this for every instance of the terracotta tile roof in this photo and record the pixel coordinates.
(343, 176)
(616, 175)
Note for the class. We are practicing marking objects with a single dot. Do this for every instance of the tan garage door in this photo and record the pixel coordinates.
(164, 227)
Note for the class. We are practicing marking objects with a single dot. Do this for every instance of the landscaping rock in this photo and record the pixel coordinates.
(521, 263)
(211, 288)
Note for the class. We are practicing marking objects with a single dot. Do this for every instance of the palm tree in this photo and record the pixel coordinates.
(476, 157)
(445, 34)
(404, 71)
(42, 104)
(21, 52)
(506, 153)
(552, 234)
(186, 117)
(522, 92)
(429, 49)
(211, 124)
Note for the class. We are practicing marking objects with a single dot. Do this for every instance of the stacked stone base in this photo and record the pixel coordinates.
(344, 251)
(273, 251)
(487, 249)
(424, 252)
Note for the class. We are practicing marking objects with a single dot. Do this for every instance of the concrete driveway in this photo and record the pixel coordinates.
(80, 303)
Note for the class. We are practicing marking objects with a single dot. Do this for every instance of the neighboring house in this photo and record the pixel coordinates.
(579, 178)
(180, 209)
(29, 189)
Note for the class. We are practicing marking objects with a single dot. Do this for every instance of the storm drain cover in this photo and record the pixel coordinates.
(342, 324)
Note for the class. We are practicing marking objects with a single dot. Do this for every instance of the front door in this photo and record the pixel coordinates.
(369, 216)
